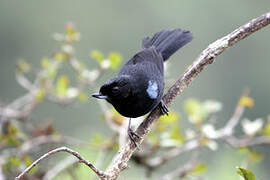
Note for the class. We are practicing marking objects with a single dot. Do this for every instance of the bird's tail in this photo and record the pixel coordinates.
(168, 42)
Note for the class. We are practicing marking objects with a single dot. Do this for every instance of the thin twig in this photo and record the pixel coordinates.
(2, 175)
(232, 123)
(183, 170)
(62, 149)
(187, 147)
(24, 82)
(248, 141)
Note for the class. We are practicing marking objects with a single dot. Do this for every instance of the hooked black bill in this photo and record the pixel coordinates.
(99, 96)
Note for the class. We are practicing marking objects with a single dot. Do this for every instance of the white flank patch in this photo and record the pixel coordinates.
(152, 90)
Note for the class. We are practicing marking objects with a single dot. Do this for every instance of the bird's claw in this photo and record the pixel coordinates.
(131, 135)
(163, 108)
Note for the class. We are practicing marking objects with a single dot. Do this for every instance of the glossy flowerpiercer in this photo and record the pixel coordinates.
(139, 86)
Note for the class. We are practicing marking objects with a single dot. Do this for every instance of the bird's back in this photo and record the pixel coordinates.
(146, 73)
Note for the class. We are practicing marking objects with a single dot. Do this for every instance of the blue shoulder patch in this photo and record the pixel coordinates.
(152, 90)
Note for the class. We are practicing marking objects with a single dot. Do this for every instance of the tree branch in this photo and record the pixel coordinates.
(208, 56)
(187, 147)
(62, 149)
(248, 141)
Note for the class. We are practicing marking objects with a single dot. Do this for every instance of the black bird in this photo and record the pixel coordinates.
(139, 86)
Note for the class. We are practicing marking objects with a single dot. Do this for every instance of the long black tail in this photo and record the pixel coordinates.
(168, 42)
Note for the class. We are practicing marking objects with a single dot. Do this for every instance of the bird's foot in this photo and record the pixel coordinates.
(131, 135)
(163, 108)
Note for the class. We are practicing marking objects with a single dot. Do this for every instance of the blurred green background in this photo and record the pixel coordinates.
(26, 29)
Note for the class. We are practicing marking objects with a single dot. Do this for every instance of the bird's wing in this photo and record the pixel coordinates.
(150, 55)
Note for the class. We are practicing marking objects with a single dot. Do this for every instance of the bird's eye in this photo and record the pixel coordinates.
(115, 89)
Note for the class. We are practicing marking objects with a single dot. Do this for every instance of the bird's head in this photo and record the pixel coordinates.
(115, 89)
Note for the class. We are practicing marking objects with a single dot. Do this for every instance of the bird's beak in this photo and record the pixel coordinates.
(99, 96)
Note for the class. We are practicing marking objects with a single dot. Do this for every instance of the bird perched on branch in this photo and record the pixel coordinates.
(139, 86)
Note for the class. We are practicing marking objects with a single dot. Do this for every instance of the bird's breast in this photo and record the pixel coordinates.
(141, 101)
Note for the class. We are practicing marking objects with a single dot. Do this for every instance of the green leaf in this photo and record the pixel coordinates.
(11, 140)
(23, 66)
(12, 130)
(266, 129)
(246, 174)
(27, 160)
(62, 85)
(71, 33)
(170, 135)
(49, 73)
(195, 111)
(175, 134)
(191, 106)
(166, 122)
(97, 139)
(45, 63)
(199, 169)
(173, 117)
(60, 56)
(246, 101)
(12, 164)
(40, 94)
(11, 136)
(243, 150)
(97, 55)
(14, 161)
(255, 156)
(153, 138)
(115, 60)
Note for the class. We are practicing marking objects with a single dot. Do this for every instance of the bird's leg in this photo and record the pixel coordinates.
(131, 134)
(163, 108)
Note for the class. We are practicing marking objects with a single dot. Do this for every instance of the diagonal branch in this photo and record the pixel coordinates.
(207, 56)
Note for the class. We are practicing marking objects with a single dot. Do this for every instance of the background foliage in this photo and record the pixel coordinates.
(118, 26)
